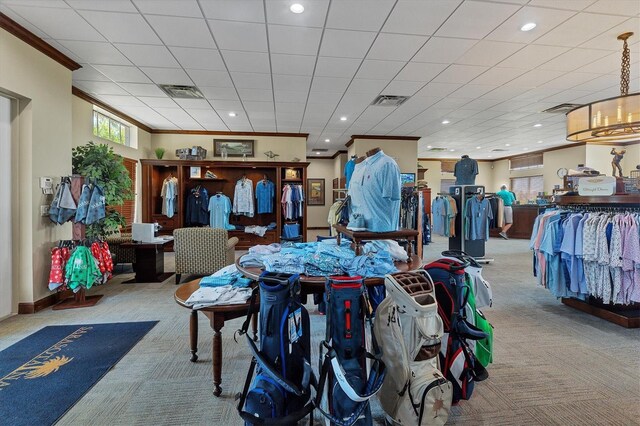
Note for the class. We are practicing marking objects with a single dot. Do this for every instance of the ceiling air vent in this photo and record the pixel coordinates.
(562, 108)
(319, 150)
(436, 149)
(499, 150)
(389, 100)
(181, 92)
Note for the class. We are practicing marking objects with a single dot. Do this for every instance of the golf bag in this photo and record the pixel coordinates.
(351, 371)
(280, 392)
(409, 329)
(459, 363)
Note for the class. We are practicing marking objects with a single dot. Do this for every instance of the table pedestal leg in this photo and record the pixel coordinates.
(217, 323)
(193, 335)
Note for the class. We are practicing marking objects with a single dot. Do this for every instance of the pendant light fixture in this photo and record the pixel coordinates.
(609, 120)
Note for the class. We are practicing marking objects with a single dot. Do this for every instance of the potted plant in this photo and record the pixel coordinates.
(160, 153)
(98, 163)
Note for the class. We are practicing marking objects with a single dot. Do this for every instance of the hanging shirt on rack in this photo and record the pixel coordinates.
(243, 198)
(265, 191)
(478, 213)
(169, 193)
(348, 171)
(219, 210)
(197, 207)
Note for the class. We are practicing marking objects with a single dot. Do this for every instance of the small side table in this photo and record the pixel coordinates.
(411, 235)
(149, 266)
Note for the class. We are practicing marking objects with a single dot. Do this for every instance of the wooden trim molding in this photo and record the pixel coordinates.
(85, 96)
(17, 30)
(221, 133)
(455, 159)
(45, 302)
(321, 157)
(614, 143)
(348, 144)
(399, 138)
(339, 152)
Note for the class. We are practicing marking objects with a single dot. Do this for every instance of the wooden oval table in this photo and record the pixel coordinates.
(217, 316)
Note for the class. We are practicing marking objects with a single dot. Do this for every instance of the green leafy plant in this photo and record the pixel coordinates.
(100, 164)
(160, 153)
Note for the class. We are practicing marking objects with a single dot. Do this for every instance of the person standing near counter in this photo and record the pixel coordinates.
(508, 199)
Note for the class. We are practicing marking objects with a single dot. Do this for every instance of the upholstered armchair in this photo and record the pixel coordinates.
(202, 251)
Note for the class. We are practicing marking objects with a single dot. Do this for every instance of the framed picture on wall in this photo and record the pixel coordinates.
(195, 172)
(233, 147)
(315, 192)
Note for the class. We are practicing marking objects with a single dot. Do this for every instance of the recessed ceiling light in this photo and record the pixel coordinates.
(478, 147)
(428, 146)
(232, 114)
(327, 140)
(317, 153)
(539, 141)
(526, 27)
(489, 156)
(537, 125)
(524, 149)
(343, 118)
(452, 150)
(298, 8)
(507, 144)
(446, 122)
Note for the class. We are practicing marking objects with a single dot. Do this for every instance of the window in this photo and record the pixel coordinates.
(531, 161)
(111, 129)
(445, 184)
(527, 188)
(128, 209)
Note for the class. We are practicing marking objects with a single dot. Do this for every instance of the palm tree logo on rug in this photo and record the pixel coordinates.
(47, 367)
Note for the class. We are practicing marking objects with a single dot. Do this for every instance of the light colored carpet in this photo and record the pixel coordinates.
(553, 365)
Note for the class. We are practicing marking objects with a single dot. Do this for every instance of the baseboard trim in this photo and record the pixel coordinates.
(45, 302)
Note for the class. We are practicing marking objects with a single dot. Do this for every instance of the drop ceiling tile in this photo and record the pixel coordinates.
(289, 107)
(618, 7)
(314, 13)
(545, 20)
(569, 80)
(208, 116)
(123, 74)
(141, 89)
(167, 75)
(569, 5)
(376, 69)
(459, 74)
(100, 87)
(292, 64)
(189, 104)
(122, 27)
(219, 93)
(210, 78)
(37, 3)
(254, 107)
(247, 61)
(110, 6)
(356, 15)
(328, 99)
(255, 95)
(296, 83)
(535, 78)
(443, 50)
(498, 75)
(194, 58)
(336, 67)
(88, 73)
(145, 55)
(489, 53)
(346, 44)
(472, 91)
(607, 65)
(20, 20)
(294, 40)
(290, 96)
(608, 39)
(579, 28)
(246, 36)
(116, 100)
(369, 86)
(154, 102)
(438, 90)
(185, 8)
(475, 20)
(420, 71)
(249, 80)
(184, 32)
(62, 24)
(418, 16)
(176, 115)
(329, 84)
(224, 105)
(399, 47)
(96, 52)
(532, 56)
(234, 10)
(600, 83)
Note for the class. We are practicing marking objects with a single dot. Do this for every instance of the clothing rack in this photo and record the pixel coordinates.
(475, 248)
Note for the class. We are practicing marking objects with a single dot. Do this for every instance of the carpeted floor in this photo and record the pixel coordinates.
(552, 364)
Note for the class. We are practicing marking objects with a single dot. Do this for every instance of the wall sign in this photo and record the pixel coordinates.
(597, 186)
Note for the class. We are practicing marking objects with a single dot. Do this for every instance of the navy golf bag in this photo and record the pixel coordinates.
(280, 392)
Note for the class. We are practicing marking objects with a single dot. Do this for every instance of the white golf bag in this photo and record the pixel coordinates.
(409, 332)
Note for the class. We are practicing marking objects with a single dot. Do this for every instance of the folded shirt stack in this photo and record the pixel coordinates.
(212, 296)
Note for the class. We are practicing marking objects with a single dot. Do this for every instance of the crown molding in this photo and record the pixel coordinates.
(223, 133)
(381, 137)
(85, 96)
(17, 30)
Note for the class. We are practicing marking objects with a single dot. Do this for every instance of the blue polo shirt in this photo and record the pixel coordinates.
(219, 209)
(265, 191)
(348, 171)
(381, 186)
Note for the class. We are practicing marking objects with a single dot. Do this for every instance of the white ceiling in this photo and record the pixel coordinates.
(462, 61)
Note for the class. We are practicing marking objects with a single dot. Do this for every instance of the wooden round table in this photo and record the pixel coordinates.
(217, 316)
